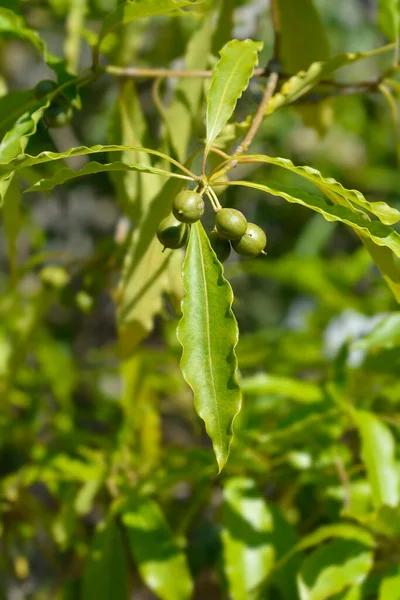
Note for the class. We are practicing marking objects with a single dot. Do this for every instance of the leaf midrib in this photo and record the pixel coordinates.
(203, 272)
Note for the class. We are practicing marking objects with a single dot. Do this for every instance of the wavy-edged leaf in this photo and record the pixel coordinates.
(139, 9)
(230, 78)
(379, 233)
(160, 562)
(92, 167)
(378, 454)
(106, 569)
(248, 553)
(333, 568)
(383, 211)
(304, 81)
(209, 333)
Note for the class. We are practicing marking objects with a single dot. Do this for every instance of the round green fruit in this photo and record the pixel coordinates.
(221, 246)
(45, 87)
(172, 233)
(253, 242)
(58, 114)
(230, 223)
(188, 206)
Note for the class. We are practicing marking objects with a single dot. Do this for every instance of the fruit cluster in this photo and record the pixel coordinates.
(60, 112)
(231, 228)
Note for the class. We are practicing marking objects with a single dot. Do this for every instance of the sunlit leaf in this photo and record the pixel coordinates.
(106, 569)
(378, 454)
(230, 78)
(333, 568)
(63, 175)
(389, 18)
(209, 333)
(390, 586)
(248, 553)
(160, 562)
(304, 81)
(264, 383)
(380, 234)
(387, 214)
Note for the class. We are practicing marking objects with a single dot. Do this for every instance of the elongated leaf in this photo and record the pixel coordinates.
(161, 564)
(380, 234)
(390, 587)
(303, 40)
(64, 175)
(185, 108)
(145, 274)
(264, 383)
(304, 81)
(230, 78)
(74, 27)
(378, 454)
(383, 211)
(209, 333)
(140, 9)
(12, 106)
(14, 25)
(333, 568)
(384, 260)
(106, 569)
(345, 531)
(248, 554)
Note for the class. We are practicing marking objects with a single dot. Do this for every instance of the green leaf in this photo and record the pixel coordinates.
(383, 211)
(331, 569)
(384, 260)
(230, 78)
(12, 106)
(209, 333)
(12, 221)
(378, 454)
(390, 587)
(380, 234)
(145, 274)
(106, 569)
(139, 9)
(186, 106)
(346, 531)
(264, 383)
(303, 40)
(74, 25)
(304, 81)
(386, 335)
(389, 18)
(248, 554)
(161, 564)
(63, 175)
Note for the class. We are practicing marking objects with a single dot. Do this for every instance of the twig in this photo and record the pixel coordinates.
(259, 116)
(164, 73)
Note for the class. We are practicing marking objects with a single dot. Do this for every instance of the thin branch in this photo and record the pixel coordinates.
(146, 73)
(259, 116)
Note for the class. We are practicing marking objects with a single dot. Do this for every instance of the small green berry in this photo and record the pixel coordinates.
(221, 246)
(230, 223)
(44, 87)
(253, 242)
(58, 114)
(188, 206)
(172, 233)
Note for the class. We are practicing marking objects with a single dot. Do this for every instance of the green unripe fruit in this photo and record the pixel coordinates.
(58, 114)
(172, 233)
(45, 87)
(252, 243)
(230, 223)
(221, 247)
(188, 206)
